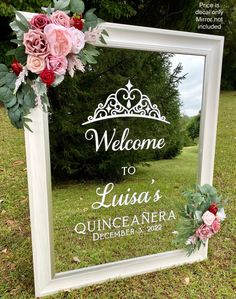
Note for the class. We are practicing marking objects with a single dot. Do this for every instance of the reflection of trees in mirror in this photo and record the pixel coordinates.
(72, 102)
(190, 128)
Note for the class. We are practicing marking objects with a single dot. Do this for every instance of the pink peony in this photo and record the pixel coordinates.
(35, 64)
(215, 226)
(57, 64)
(208, 218)
(40, 21)
(60, 18)
(59, 40)
(204, 232)
(35, 43)
(77, 38)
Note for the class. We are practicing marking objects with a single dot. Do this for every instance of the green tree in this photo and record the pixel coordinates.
(193, 127)
(72, 155)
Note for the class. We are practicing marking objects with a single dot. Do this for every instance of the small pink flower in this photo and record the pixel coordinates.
(59, 40)
(36, 43)
(208, 218)
(57, 64)
(35, 64)
(77, 38)
(92, 35)
(74, 64)
(204, 232)
(191, 240)
(60, 18)
(40, 21)
(215, 226)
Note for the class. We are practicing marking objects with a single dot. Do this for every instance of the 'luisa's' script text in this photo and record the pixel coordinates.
(124, 143)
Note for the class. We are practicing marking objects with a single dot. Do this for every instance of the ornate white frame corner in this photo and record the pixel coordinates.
(38, 162)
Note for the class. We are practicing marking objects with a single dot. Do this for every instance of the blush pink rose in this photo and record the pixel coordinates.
(40, 21)
(59, 40)
(215, 226)
(78, 40)
(60, 18)
(35, 64)
(204, 232)
(208, 218)
(36, 43)
(57, 64)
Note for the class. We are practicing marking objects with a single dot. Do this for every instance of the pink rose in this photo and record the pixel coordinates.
(40, 21)
(35, 64)
(59, 40)
(204, 232)
(208, 218)
(60, 18)
(77, 38)
(35, 43)
(215, 226)
(57, 64)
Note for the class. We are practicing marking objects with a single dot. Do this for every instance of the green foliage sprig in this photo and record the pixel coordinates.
(200, 217)
(22, 88)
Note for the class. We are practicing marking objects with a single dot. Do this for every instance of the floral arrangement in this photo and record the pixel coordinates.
(53, 43)
(201, 218)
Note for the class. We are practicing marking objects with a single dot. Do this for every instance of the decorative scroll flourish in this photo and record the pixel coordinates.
(113, 108)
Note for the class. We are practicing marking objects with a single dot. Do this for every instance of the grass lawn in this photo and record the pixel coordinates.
(214, 278)
(72, 204)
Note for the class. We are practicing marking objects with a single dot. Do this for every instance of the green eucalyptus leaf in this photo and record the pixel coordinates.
(9, 80)
(90, 59)
(61, 4)
(102, 40)
(41, 87)
(29, 99)
(15, 115)
(6, 94)
(22, 19)
(90, 16)
(3, 68)
(104, 32)
(198, 215)
(26, 125)
(20, 54)
(22, 27)
(90, 24)
(14, 26)
(11, 103)
(77, 6)
(15, 107)
(11, 52)
(17, 42)
(91, 50)
(45, 102)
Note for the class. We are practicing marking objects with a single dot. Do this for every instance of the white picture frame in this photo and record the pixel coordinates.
(47, 281)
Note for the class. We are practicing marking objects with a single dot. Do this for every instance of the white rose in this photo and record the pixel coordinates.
(208, 218)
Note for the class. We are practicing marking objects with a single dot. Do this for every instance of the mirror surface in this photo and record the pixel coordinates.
(124, 144)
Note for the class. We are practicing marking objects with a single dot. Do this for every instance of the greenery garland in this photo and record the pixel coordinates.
(58, 41)
(200, 219)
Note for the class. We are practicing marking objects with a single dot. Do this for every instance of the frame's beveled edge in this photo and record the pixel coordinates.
(122, 269)
(210, 46)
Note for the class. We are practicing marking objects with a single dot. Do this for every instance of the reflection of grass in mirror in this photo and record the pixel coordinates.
(72, 204)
